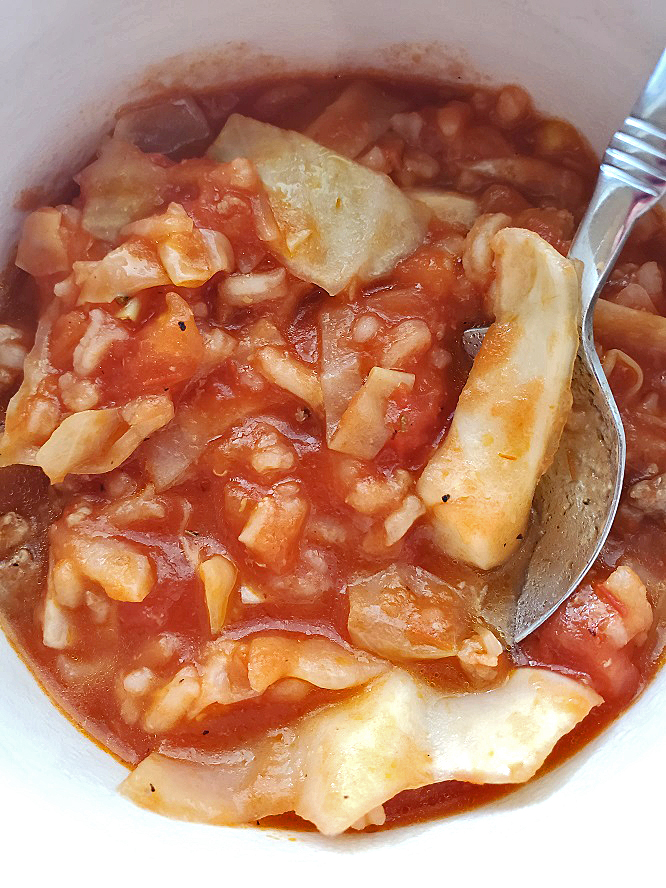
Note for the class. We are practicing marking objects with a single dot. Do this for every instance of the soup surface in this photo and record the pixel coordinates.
(252, 531)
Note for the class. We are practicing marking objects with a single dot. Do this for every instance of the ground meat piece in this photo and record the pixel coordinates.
(650, 496)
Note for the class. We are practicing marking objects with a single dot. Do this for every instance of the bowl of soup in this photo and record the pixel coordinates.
(257, 500)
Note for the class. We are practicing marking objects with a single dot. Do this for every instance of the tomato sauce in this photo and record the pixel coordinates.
(225, 411)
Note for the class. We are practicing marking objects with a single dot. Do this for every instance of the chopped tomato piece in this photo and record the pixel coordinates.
(168, 350)
(583, 637)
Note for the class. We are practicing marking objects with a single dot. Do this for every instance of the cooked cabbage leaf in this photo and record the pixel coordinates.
(338, 220)
(407, 613)
(451, 207)
(335, 765)
(480, 482)
(122, 185)
(359, 115)
(233, 671)
(363, 429)
(92, 442)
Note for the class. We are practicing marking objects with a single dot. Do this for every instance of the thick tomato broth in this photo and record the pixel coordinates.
(303, 591)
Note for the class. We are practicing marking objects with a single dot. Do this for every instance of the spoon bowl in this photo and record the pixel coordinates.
(577, 498)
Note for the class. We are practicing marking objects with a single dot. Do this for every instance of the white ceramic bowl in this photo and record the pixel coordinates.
(66, 64)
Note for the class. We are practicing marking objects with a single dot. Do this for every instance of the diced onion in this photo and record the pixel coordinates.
(56, 626)
(291, 374)
(398, 523)
(172, 702)
(218, 576)
(362, 431)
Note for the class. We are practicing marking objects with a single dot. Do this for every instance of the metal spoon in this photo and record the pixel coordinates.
(576, 500)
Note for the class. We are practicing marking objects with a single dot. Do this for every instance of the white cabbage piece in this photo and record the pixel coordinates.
(504, 735)
(630, 328)
(376, 817)
(336, 765)
(192, 259)
(405, 342)
(452, 207)
(407, 613)
(169, 454)
(338, 221)
(232, 671)
(31, 414)
(160, 226)
(318, 661)
(96, 441)
(480, 482)
(477, 255)
(132, 267)
(362, 430)
(57, 628)
(340, 364)
(122, 185)
(135, 507)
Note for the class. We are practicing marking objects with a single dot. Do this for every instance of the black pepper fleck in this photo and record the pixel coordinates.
(519, 537)
(152, 788)
(182, 325)
(446, 497)
(206, 731)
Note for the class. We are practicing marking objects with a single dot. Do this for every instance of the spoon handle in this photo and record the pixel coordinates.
(632, 179)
